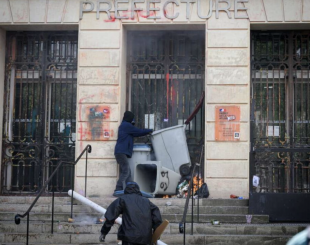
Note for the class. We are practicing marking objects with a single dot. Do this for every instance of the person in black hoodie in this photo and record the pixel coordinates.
(124, 147)
(140, 217)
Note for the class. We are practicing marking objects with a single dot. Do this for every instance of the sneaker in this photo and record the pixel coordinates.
(102, 238)
(118, 193)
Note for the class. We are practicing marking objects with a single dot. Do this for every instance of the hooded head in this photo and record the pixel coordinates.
(128, 116)
(132, 188)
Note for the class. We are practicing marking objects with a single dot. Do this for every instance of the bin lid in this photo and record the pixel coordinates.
(166, 129)
(141, 147)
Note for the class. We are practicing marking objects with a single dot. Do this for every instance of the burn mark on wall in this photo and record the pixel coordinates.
(97, 126)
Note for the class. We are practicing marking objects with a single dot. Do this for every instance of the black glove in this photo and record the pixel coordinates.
(102, 238)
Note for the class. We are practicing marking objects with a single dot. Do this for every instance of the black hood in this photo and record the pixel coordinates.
(132, 188)
(128, 116)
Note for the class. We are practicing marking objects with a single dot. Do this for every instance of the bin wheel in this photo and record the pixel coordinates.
(185, 170)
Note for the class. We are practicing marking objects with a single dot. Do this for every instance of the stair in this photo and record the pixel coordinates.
(85, 228)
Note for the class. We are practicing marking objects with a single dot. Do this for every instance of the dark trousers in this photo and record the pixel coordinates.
(125, 173)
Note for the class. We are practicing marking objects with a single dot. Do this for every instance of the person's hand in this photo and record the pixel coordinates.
(102, 238)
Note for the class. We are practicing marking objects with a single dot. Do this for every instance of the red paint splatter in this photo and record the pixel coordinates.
(174, 99)
(167, 80)
(142, 14)
(113, 19)
(80, 118)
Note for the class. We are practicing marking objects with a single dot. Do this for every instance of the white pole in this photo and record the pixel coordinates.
(98, 208)
(93, 205)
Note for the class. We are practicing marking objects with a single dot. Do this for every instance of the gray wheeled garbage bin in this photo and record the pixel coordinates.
(141, 153)
(170, 147)
(153, 178)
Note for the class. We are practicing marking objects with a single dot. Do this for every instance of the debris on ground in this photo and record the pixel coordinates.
(235, 197)
(182, 189)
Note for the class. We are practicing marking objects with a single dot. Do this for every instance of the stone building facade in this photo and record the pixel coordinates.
(101, 75)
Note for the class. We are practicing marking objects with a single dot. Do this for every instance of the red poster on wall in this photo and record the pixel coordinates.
(227, 123)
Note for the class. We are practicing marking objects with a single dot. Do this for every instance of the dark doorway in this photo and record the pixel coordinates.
(166, 79)
(40, 110)
(280, 125)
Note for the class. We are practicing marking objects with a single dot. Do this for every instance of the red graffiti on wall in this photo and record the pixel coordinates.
(80, 119)
(167, 81)
(97, 126)
(127, 14)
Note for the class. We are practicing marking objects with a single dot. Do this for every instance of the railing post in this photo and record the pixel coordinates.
(27, 239)
(183, 221)
(198, 192)
(72, 188)
(88, 150)
(199, 168)
(53, 199)
(86, 172)
(184, 234)
(192, 190)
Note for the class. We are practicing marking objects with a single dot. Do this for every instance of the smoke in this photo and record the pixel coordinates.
(85, 219)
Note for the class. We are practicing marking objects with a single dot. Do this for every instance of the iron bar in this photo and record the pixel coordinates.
(53, 200)
(184, 233)
(192, 225)
(87, 149)
(291, 108)
(199, 170)
(85, 173)
(182, 224)
(72, 188)
(27, 233)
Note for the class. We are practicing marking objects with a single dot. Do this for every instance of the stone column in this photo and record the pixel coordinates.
(2, 77)
(98, 102)
(227, 83)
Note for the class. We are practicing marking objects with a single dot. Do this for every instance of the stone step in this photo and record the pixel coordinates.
(173, 228)
(29, 199)
(60, 208)
(181, 201)
(173, 218)
(226, 239)
(105, 201)
(168, 239)
(223, 218)
(206, 210)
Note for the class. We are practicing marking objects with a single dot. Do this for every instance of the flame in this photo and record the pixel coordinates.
(166, 196)
(197, 183)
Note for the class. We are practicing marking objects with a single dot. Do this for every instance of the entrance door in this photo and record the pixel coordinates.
(166, 80)
(280, 124)
(40, 110)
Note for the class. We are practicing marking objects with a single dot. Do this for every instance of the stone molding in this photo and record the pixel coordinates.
(67, 12)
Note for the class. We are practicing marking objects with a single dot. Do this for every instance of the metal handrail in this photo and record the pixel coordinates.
(19, 216)
(190, 194)
(182, 224)
(87, 150)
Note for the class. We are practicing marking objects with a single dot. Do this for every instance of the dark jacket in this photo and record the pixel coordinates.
(126, 132)
(139, 216)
